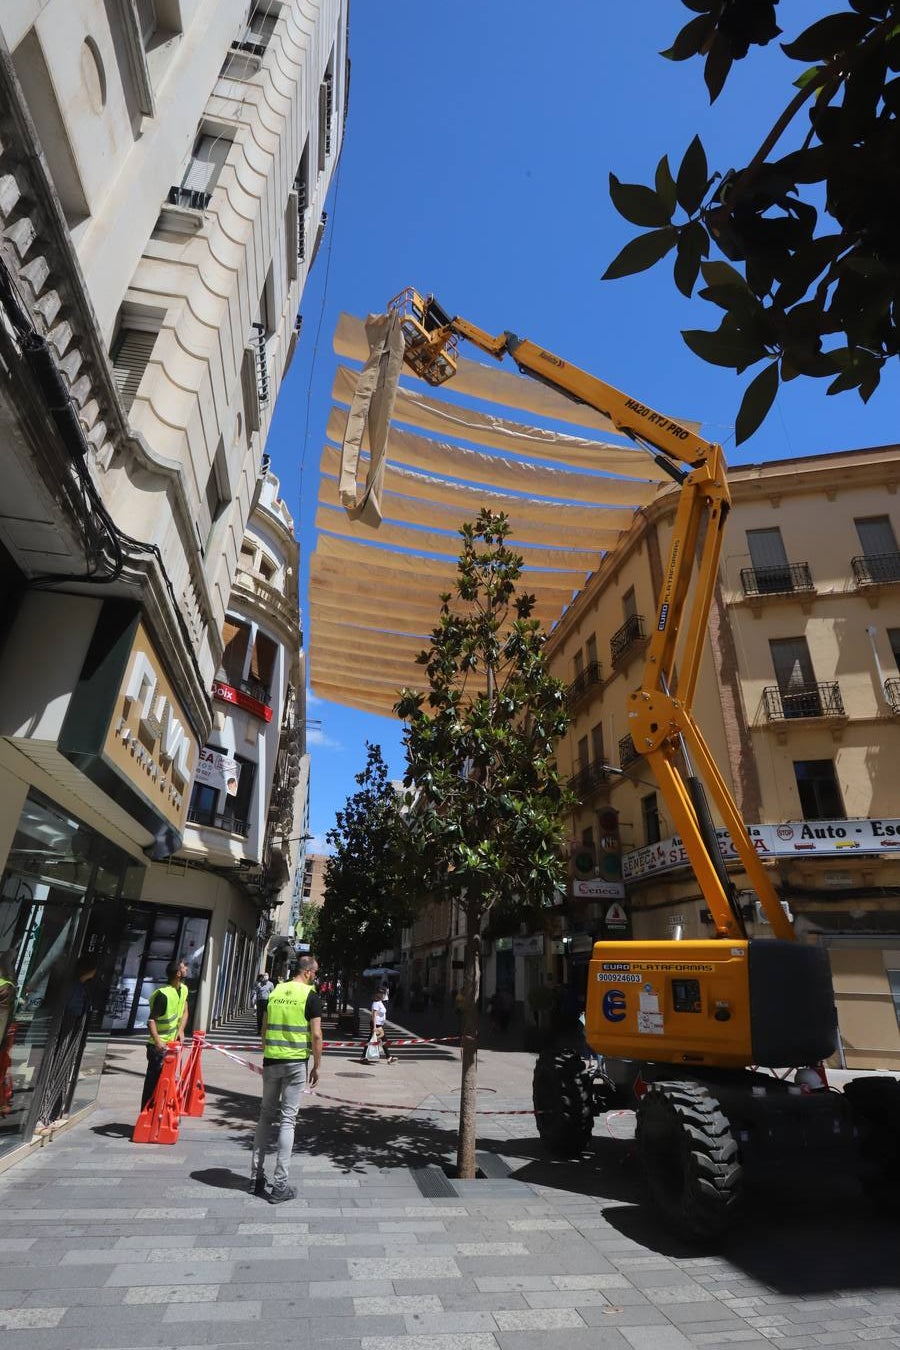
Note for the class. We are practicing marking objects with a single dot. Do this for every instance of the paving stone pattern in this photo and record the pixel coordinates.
(106, 1244)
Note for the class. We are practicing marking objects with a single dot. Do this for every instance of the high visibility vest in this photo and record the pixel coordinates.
(167, 1025)
(3, 983)
(287, 1030)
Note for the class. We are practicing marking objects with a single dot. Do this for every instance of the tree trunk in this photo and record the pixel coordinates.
(468, 1092)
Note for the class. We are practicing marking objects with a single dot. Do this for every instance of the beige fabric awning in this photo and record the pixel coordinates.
(374, 592)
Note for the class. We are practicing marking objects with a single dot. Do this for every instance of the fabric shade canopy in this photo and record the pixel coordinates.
(375, 584)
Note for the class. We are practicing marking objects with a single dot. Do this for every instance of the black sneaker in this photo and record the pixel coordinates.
(259, 1186)
(278, 1194)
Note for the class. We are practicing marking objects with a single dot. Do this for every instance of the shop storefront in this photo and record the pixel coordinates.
(63, 900)
(152, 937)
(93, 738)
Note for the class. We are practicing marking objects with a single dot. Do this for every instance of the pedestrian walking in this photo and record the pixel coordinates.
(167, 1020)
(292, 1036)
(377, 1018)
(261, 992)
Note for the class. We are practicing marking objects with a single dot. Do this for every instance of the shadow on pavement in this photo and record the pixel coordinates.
(114, 1129)
(222, 1178)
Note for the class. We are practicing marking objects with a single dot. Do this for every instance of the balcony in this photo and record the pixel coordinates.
(878, 569)
(625, 638)
(784, 579)
(261, 353)
(254, 688)
(578, 689)
(219, 820)
(190, 198)
(588, 780)
(892, 694)
(627, 753)
(815, 700)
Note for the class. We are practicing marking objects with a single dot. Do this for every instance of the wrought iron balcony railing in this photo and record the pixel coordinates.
(627, 753)
(814, 700)
(892, 693)
(876, 569)
(219, 820)
(192, 198)
(588, 779)
(262, 362)
(782, 579)
(577, 690)
(255, 688)
(624, 638)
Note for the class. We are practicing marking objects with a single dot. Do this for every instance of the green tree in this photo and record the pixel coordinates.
(811, 285)
(486, 804)
(363, 895)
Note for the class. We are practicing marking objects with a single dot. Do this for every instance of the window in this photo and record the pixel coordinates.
(795, 676)
(881, 561)
(769, 560)
(587, 837)
(237, 638)
(597, 743)
(267, 568)
(326, 113)
(876, 535)
(583, 755)
(894, 982)
(894, 640)
(147, 18)
(590, 650)
(204, 800)
(130, 355)
(217, 494)
(578, 663)
(202, 173)
(629, 604)
(258, 33)
(650, 815)
(817, 785)
(238, 806)
(262, 662)
(301, 187)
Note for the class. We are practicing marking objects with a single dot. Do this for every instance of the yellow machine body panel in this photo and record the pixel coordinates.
(680, 1002)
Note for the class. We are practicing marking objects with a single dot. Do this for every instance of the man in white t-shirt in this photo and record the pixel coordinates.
(378, 1016)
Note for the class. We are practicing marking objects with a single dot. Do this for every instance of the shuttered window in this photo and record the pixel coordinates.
(131, 351)
(261, 27)
(207, 158)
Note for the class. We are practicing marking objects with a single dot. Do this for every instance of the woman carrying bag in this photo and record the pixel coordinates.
(377, 1042)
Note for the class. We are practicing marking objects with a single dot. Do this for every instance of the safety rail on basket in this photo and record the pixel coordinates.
(431, 351)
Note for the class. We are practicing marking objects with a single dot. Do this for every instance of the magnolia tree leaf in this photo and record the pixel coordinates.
(641, 205)
(641, 253)
(758, 399)
(693, 177)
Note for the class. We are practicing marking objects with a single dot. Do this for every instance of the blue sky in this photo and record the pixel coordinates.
(479, 142)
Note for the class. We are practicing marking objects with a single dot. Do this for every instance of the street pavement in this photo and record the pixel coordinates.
(109, 1245)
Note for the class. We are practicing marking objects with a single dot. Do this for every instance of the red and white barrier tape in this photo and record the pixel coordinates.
(354, 1045)
(386, 1106)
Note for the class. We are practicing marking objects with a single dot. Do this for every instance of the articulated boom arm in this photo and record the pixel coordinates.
(660, 714)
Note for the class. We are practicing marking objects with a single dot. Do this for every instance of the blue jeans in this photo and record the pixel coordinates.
(283, 1085)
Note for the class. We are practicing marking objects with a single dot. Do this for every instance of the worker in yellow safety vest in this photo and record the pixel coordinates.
(167, 1020)
(291, 1037)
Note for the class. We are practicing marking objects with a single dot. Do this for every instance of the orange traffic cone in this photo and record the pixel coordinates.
(193, 1093)
(158, 1121)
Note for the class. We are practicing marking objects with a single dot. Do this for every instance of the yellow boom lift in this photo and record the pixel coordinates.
(678, 1023)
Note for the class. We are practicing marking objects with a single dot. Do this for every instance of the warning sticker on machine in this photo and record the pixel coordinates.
(650, 1023)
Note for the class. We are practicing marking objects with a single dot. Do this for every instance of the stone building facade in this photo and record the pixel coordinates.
(799, 700)
(164, 166)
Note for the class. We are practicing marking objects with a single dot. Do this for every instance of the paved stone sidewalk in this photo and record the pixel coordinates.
(107, 1245)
